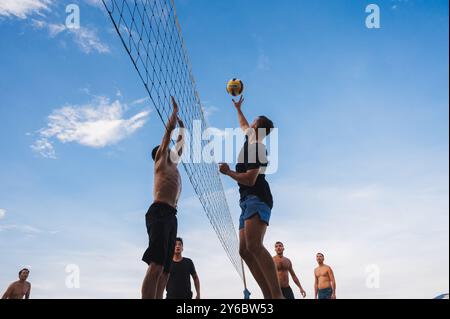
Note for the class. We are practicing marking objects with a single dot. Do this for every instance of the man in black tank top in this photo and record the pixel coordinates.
(256, 202)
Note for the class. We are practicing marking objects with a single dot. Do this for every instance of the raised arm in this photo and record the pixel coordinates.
(333, 282)
(243, 123)
(171, 124)
(296, 280)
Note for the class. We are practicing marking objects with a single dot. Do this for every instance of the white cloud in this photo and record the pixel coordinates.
(27, 229)
(43, 147)
(2, 213)
(359, 226)
(23, 8)
(55, 29)
(98, 124)
(397, 230)
(208, 111)
(95, 3)
(140, 101)
(213, 131)
(86, 38)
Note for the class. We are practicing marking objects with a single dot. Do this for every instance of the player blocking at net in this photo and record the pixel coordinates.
(255, 200)
(161, 219)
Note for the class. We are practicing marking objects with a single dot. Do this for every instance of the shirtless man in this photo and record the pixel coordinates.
(161, 217)
(284, 268)
(325, 284)
(20, 288)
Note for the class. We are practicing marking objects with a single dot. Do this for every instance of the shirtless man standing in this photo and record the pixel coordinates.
(325, 284)
(20, 288)
(161, 217)
(284, 268)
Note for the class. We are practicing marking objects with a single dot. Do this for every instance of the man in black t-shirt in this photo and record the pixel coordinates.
(256, 202)
(179, 284)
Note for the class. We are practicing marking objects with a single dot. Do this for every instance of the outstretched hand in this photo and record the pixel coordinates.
(238, 104)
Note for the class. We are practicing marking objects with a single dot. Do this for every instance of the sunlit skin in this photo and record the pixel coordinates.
(167, 180)
(166, 189)
(284, 268)
(20, 289)
(324, 277)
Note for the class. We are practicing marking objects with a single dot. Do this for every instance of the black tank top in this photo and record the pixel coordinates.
(254, 156)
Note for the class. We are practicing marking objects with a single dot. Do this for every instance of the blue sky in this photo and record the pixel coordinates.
(363, 143)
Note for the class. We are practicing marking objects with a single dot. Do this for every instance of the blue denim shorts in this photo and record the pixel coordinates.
(325, 293)
(252, 205)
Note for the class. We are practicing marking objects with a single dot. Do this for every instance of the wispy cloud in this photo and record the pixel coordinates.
(209, 110)
(27, 229)
(2, 213)
(86, 38)
(95, 3)
(97, 124)
(43, 147)
(140, 101)
(23, 8)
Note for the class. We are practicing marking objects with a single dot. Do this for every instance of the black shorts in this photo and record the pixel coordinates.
(161, 221)
(186, 296)
(288, 293)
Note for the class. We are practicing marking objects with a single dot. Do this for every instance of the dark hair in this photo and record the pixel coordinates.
(155, 150)
(24, 269)
(321, 254)
(265, 123)
(279, 243)
(180, 240)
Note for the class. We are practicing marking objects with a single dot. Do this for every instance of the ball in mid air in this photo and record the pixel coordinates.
(235, 87)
